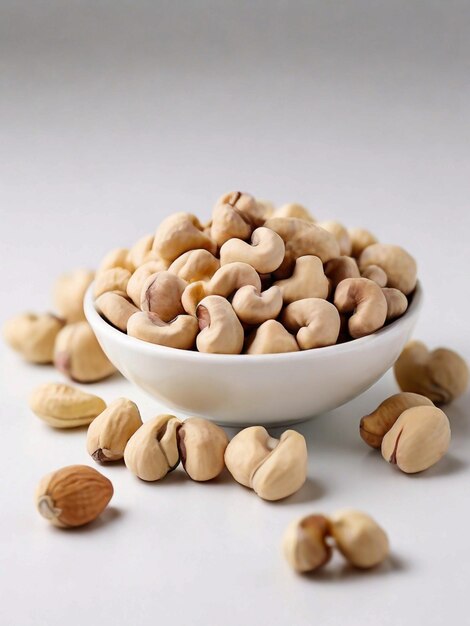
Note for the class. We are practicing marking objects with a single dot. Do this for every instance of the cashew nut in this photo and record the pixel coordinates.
(365, 300)
(33, 336)
(341, 268)
(340, 233)
(265, 253)
(138, 278)
(315, 321)
(360, 240)
(253, 307)
(201, 446)
(397, 302)
(116, 309)
(195, 265)
(305, 544)
(246, 204)
(359, 538)
(221, 331)
(113, 279)
(179, 233)
(375, 273)
(68, 294)
(399, 266)
(266, 207)
(294, 210)
(161, 294)
(271, 337)
(307, 281)
(110, 431)
(119, 257)
(141, 251)
(179, 333)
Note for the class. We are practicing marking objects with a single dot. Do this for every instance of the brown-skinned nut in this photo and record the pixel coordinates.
(419, 439)
(119, 257)
(294, 210)
(341, 268)
(201, 447)
(138, 278)
(315, 321)
(220, 329)
(399, 266)
(397, 302)
(110, 431)
(33, 336)
(116, 309)
(68, 293)
(365, 300)
(307, 281)
(178, 333)
(305, 543)
(152, 451)
(161, 294)
(360, 240)
(441, 375)
(179, 233)
(78, 355)
(375, 426)
(359, 538)
(301, 238)
(265, 253)
(195, 265)
(113, 279)
(273, 468)
(340, 233)
(375, 273)
(254, 307)
(270, 338)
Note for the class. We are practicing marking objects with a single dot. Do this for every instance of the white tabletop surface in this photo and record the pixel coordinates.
(115, 114)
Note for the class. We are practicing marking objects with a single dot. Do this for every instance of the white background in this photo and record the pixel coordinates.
(114, 114)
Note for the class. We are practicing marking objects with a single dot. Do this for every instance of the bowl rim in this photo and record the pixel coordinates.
(114, 334)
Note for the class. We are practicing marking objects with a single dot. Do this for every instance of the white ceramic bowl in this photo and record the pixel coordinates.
(271, 389)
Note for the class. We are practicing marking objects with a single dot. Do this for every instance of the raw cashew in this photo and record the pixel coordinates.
(201, 446)
(63, 406)
(375, 273)
(119, 257)
(360, 240)
(397, 302)
(195, 265)
(138, 278)
(113, 279)
(399, 266)
(307, 281)
(265, 253)
(161, 294)
(110, 431)
(115, 308)
(340, 233)
(235, 214)
(221, 331)
(316, 322)
(341, 268)
(178, 333)
(179, 233)
(271, 337)
(253, 307)
(365, 300)
(294, 210)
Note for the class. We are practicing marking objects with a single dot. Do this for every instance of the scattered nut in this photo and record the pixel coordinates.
(195, 265)
(305, 544)
(68, 294)
(441, 375)
(397, 302)
(418, 439)
(201, 447)
(221, 331)
(73, 496)
(294, 210)
(366, 301)
(110, 431)
(179, 233)
(265, 253)
(179, 333)
(33, 336)
(152, 451)
(161, 294)
(340, 233)
(115, 308)
(253, 307)
(113, 279)
(271, 337)
(316, 322)
(359, 538)
(63, 406)
(399, 266)
(273, 468)
(360, 240)
(307, 281)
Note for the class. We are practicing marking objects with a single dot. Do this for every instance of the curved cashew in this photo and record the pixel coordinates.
(360, 240)
(179, 233)
(302, 238)
(161, 294)
(375, 273)
(195, 265)
(307, 281)
(246, 204)
(235, 214)
(179, 333)
(315, 321)
(340, 233)
(399, 266)
(397, 302)
(113, 279)
(294, 210)
(221, 331)
(365, 300)
(253, 307)
(265, 253)
(115, 308)
(141, 252)
(138, 278)
(270, 338)
(69, 291)
(266, 207)
(193, 294)
(341, 268)
(119, 257)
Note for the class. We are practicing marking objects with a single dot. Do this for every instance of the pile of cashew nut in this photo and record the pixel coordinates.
(254, 280)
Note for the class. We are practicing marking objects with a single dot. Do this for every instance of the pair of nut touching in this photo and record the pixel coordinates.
(308, 542)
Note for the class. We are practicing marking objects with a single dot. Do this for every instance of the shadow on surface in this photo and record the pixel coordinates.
(109, 515)
(346, 572)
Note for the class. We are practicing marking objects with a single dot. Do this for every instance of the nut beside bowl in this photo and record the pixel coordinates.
(245, 390)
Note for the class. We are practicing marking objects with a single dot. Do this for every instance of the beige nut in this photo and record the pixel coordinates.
(419, 438)
(179, 333)
(110, 431)
(397, 302)
(399, 266)
(246, 204)
(341, 268)
(253, 307)
(265, 253)
(68, 293)
(302, 238)
(375, 426)
(270, 338)
(161, 294)
(235, 214)
(179, 233)
(119, 257)
(441, 375)
(73, 496)
(307, 281)
(340, 233)
(138, 278)
(140, 251)
(273, 468)
(116, 309)
(365, 300)
(78, 355)
(195, 265)
(201, 447)
(193, 294)
(294, 210)
(33, 336)
(360, 240)
(305, 544)
(221, 331)
(316, 322)
(63, 406)
(152, 451)
(359, 538)
(113, 279)
(375, 273)
(266, 207)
